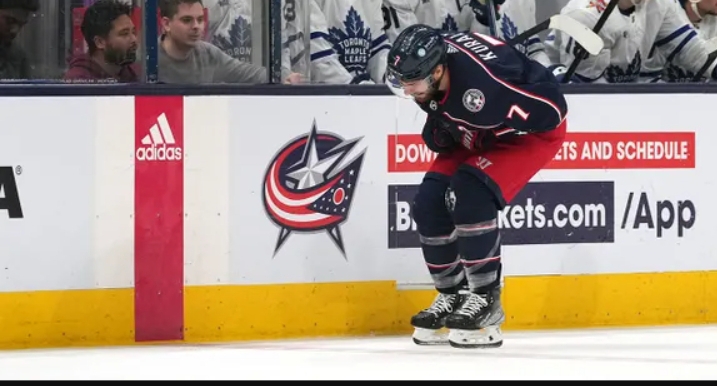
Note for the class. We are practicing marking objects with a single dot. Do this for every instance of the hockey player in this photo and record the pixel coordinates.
(446, 15)
(229, 27)
(702, 15)
(631, 32)
(514, 17)
(316, 59)
(495, 118)
(354, 31)
(347, 44)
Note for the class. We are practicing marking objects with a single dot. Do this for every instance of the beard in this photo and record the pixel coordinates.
(432, 93)
(120, 57)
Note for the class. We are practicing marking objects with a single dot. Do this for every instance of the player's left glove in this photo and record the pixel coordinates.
(437, 135)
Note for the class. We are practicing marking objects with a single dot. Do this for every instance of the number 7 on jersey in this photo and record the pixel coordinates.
(515, 109)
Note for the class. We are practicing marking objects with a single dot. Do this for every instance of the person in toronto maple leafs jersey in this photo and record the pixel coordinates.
(315, 59)
(702, 15)
(446, 15)
(495, 118)
(229, 27)
(354, 30)
(631, 34)
(514, 17)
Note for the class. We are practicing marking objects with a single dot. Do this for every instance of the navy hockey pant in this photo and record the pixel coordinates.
(456, 208)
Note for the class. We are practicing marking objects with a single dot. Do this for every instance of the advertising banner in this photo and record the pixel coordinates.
(621, 195)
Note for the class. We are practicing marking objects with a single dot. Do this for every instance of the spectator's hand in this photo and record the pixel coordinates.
(294, 78)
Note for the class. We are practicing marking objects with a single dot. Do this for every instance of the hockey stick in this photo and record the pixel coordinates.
(589, 40)
(580, 52)
(492, 17)
(710, 58)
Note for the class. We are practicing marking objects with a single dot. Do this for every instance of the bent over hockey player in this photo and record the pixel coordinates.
(495, 118)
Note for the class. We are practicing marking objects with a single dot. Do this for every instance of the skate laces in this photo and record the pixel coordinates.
(443, 303)
(472, 305)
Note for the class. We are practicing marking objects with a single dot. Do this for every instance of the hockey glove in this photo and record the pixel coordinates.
(469, 139)
(437, 136)
(481, 13)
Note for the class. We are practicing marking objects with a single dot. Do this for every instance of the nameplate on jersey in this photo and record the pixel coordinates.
(477, 44)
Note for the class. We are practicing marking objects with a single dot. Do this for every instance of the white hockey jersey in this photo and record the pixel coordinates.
(316, 59)
(517, 16)
(447, 15)
(660, 68)
(629, 39)
(354, 29)
(229, 27)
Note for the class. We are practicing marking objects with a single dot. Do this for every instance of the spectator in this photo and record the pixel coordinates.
(229, 27)
(112, 45)
(633, 34)
(14, 14)
(185, 58)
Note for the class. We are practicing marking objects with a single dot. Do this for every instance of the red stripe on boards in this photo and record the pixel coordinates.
(159, 220)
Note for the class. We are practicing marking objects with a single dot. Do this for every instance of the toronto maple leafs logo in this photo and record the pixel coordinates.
(310, 184)
(237, 42)
(509, 30)
(629, 74)
(449, 24)
(676, 74)
(353, 43)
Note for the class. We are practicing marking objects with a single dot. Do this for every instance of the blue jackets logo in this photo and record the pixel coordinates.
(543, 213)
(310, 184)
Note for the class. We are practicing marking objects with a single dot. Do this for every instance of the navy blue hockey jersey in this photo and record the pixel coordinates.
(494, 86)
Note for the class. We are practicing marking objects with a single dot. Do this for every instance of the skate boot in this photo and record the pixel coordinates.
(429, 322)
(476, 323)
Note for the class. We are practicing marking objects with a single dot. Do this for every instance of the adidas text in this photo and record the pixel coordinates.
(159, 153)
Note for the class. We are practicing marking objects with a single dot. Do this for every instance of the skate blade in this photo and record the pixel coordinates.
(426, 337)
(489, 337)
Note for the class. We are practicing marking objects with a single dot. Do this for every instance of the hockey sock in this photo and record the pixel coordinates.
(475, 214)
(438, 235)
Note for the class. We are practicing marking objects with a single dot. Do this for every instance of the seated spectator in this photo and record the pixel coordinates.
(633, 34)
(14, 14)
(185, 58)
(112, 45)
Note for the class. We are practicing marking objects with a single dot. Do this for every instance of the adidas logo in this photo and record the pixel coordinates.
(157, 145)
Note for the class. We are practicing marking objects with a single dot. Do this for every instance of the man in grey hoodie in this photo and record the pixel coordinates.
(185, 58)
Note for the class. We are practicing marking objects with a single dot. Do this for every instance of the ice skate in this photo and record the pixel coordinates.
(428, 324)
(476, 323)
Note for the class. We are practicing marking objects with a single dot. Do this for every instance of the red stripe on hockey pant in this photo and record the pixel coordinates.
(159, 224)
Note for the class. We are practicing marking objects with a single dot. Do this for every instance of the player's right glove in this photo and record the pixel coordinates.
(473, 139)
(437, 135)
